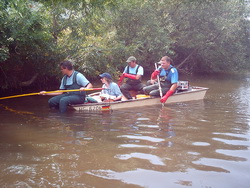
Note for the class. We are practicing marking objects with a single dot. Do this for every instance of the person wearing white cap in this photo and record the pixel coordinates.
(133, 72)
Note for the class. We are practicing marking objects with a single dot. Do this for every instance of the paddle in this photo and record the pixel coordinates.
(159, 83)
(57, 91)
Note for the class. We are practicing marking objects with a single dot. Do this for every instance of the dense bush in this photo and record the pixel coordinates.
(98, 36)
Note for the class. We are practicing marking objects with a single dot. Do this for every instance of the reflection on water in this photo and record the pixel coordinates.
(194, 144)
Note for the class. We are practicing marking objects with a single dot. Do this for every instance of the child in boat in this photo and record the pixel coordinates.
(111, 91)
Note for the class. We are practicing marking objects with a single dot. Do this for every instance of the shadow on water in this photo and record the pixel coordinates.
(196, 144)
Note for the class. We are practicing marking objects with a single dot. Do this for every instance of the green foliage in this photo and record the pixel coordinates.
(214, 30)
(32, 35)
(25, 34)
(99, 35)
(138, 28)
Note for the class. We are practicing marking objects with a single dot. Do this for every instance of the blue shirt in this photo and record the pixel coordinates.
(171, 73)
(113, 89)
(80, 79)
(133, 70)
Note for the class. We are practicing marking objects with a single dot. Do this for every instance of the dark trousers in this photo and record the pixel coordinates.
(61, 102)
(126, 87)
(153, 89)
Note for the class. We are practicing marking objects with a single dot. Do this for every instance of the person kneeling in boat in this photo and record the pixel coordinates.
(133, 74)
(111, 91)
(168, 76)
(72, 80)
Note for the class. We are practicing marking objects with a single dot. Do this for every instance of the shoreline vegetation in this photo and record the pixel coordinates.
(208, 37)
(96, 82)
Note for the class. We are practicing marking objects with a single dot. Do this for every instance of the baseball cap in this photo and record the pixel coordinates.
(106, 75)
(131, 58)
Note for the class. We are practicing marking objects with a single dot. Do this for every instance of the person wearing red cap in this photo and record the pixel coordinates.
(133, 73)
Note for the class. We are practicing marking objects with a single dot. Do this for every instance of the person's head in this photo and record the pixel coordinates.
(131, 61)
(106, 77)
(165, 62)
(66, 67)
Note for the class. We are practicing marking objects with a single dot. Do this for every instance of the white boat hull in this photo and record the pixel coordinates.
(196, 93)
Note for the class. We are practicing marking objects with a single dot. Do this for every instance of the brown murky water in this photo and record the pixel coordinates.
(195, 144)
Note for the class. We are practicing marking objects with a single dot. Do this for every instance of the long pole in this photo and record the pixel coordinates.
(159, 83)
(158, 80)
(57, 91)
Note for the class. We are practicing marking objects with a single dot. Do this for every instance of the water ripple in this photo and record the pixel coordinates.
(153, 159)
(135, 146)
(145, 138)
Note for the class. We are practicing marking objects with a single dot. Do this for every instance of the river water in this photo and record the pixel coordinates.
(194, 144)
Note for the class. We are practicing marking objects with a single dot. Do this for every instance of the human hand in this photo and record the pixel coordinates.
(82, 88)
(165, 97)
(155, 74)
(121, 79)
(42, 93)
(152, 81)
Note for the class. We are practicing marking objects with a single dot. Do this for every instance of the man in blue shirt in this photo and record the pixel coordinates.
(133, 72)
(168, 80)
(71, 80)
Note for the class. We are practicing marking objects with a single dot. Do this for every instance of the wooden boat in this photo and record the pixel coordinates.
(194, 93)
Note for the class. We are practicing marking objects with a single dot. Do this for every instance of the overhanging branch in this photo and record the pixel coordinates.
(29, 82)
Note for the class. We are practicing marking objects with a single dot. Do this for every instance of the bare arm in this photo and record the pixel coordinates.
(51, 94)
(89, 86)
(118, 98)
(173, 87)
(138, 76)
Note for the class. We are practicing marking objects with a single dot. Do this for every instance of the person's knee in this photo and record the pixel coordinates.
(148, 83)
(64, 101)
(122, 89)
(146, 90)
(52, 103)
(142, 86)
(154, 93)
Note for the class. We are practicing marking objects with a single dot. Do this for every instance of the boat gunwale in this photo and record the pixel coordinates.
(193, 90)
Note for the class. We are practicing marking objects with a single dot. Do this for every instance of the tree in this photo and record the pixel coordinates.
(26, 38)
(34, 37)
(98, 36)
(212, 34)
(141, 33)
